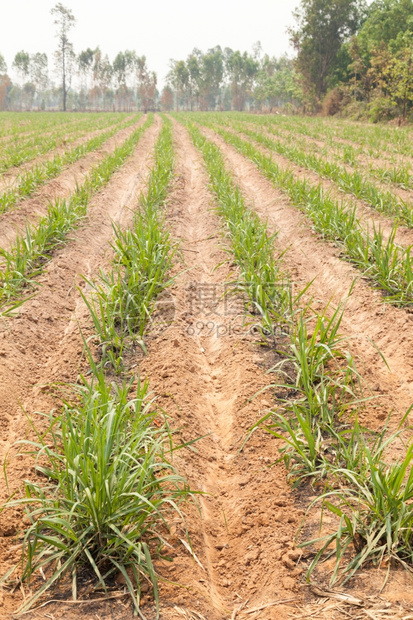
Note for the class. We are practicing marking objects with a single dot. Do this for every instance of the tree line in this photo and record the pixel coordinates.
(351, 58)
(355, 59)
(218, 79)
(224, 79)
(86, 81)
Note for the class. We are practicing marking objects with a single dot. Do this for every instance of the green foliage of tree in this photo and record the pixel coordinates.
(322, 26)
(277, 83)
(385, 20)
(228, 79)
(167, 99)
(39, 71)
(21, 64)
(241, 70)
(3, 65)
(212, 74)
(5, 83)
(178, 78)
(398, 72)
(145, 84)
(85, 61)
(381, 59)
(123, 66)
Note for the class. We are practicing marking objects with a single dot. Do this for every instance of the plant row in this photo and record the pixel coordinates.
(25, 184)
(107, 484)
(31, 250)
(397, 174)
(319, 395)
(387, 264)
(21, 150)
(122, 301)
(376, 140)
(350, 182)
(14, 123)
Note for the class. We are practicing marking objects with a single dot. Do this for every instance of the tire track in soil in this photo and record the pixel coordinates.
(30, 209)
(367, 318)
(43, 346)
(244, 537)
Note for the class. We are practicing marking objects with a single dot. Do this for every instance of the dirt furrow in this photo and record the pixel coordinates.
(330, 142)
(367, 318)
(42, 347)
(363, 157)
(203, 369)
(29, 133)
(30, 209)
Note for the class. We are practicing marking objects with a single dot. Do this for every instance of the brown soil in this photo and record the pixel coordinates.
(363, 162)
(204, 377)
(206, 370)
(23, 135)
(382, 158)
(385, 149)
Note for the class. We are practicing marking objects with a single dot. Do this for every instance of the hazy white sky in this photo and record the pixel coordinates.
(160, 29)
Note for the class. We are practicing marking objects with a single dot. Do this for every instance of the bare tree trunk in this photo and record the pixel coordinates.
(64, 80)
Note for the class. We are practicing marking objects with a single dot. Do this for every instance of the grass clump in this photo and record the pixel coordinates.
(372, 500)
(104, 491)
(318, 394)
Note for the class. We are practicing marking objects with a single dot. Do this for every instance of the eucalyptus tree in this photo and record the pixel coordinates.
(103, 75)
(39, 71)
(146, 81)
(123, 71)
(3, 65)
(5, 83)
(178, 77)
(212, 72)
(21, 64)
(64, 55)
(242, 70)
(85, 61)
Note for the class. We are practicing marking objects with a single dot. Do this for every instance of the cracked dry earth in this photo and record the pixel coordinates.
(209, 374)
